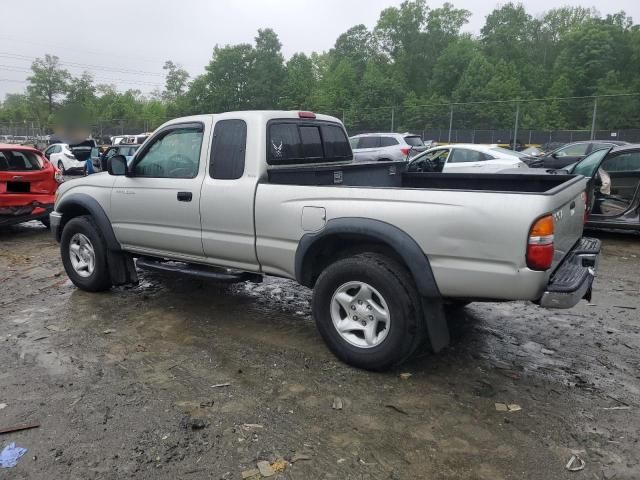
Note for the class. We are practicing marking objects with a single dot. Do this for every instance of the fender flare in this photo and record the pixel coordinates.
(400, 241)
(90, 204)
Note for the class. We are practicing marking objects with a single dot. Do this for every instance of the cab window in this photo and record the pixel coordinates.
(228, 151)
(174, 153)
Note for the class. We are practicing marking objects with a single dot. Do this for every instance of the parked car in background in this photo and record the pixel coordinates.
(70, 158)
(466, 158)
(374, 147)
(28, 182)
(574, 152)
(614, 175)
(99, 163)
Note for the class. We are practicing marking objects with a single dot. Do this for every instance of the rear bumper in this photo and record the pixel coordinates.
(39, 212)
(572, 280)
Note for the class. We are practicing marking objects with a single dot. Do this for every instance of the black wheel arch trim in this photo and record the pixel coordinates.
(97, 213)
(400, 241)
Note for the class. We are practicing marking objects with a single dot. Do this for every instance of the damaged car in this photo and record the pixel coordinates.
(28, 183)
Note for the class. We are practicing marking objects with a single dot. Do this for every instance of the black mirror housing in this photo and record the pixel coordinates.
(117, 165)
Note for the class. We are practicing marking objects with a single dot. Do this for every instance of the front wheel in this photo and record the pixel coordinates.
(61, 167)
(368, 311)
(84, 255)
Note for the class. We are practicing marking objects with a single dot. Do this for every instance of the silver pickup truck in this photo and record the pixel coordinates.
(236, 196)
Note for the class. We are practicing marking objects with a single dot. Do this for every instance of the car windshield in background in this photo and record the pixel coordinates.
(590, 163)
(128, 151)
(506, 151)
(19, 161)
(414, 141)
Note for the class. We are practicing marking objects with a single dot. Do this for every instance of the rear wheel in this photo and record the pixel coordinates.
(45, 222)
(84, 255)
(368, 311)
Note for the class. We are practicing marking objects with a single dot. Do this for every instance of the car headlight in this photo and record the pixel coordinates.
(58, 177)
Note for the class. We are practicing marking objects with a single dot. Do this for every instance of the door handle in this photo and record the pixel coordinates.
(185, 196)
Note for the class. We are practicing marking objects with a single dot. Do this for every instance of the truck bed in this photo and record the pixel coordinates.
(393, 175)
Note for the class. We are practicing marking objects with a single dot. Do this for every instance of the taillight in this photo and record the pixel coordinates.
(540, 244)
(405, 151)
(585, 199)
(306, 115)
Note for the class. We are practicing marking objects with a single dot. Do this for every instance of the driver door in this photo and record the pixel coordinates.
(155, 209)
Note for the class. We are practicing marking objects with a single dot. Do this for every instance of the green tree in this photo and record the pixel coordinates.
(176, 81)
(48, 83)
(228, 77)
(301, 82)
(267, 73)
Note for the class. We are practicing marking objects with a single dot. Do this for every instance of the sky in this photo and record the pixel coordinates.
(125, 42)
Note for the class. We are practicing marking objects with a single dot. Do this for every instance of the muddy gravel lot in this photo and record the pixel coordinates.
(179, 378)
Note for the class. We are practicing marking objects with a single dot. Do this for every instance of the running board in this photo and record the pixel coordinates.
(220, 275)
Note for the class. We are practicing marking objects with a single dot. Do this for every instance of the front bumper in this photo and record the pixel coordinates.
(573, 279)
(55, 219)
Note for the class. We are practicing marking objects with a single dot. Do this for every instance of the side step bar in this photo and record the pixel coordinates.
(220, 275)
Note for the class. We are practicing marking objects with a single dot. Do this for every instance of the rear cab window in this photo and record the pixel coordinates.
(306, 141)
(19, 161)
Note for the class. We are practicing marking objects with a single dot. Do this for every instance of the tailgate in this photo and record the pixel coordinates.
(569, 224)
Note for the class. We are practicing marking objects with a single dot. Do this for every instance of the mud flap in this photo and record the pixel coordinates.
(436, 321)
(121, 268)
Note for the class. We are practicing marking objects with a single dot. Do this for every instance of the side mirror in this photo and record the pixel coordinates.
(117, 165)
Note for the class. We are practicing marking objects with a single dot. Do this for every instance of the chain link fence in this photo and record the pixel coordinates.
(529, 122)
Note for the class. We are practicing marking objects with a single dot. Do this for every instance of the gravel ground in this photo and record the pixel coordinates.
(126, 384)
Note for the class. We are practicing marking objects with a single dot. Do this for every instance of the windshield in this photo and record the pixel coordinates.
(414, 141)
(590, 163)
(505, 151)
(19, 161)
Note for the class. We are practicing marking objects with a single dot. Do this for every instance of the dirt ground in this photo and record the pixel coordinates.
(121, 381)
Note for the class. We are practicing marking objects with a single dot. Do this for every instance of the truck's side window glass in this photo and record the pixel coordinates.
(228, 151)
(176, 154)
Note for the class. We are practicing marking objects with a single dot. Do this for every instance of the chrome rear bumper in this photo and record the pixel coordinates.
(573, 279)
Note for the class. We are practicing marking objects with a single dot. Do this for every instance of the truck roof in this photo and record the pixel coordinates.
(264, 115)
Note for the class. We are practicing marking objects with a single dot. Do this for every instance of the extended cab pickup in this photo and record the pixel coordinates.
(239, 195)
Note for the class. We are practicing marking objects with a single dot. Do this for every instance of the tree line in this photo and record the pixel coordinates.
(416, 60)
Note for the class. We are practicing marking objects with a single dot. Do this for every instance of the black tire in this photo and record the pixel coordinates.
(45, 222)
(99, 280)
(61, 167)
(406, 331)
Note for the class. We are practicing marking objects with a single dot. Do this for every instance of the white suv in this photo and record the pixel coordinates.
(380, 147)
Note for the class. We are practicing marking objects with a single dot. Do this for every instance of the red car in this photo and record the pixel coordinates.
(28, 183)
